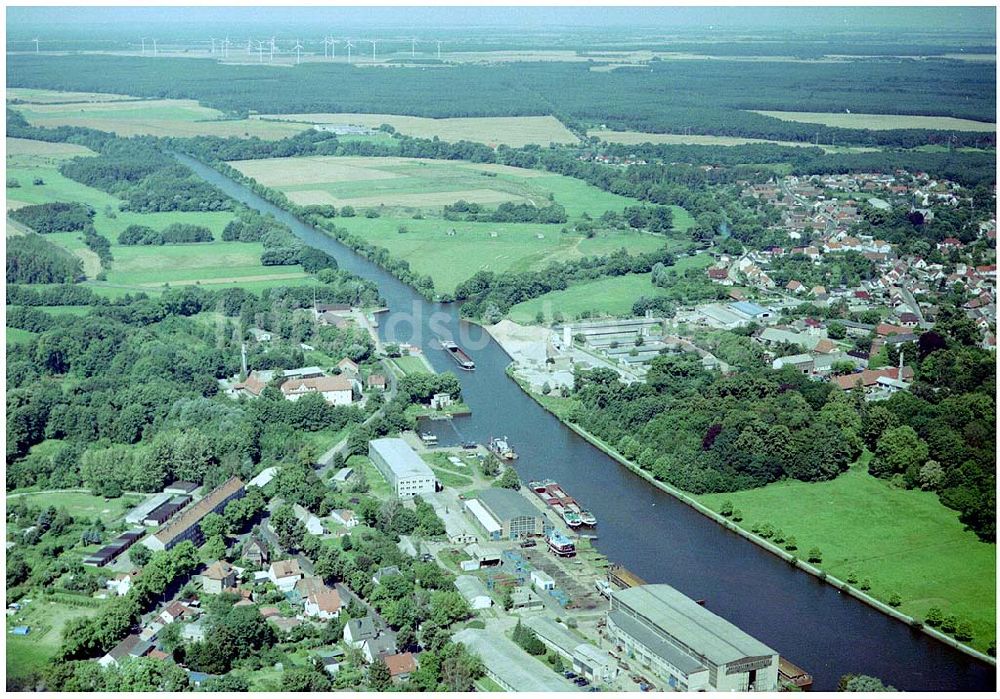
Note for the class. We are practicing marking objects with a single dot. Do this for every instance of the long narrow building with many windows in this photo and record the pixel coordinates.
(688, 646)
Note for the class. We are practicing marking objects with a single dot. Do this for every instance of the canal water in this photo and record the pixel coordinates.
(825, 632)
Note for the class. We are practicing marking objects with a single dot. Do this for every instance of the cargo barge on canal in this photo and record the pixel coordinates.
(458, 354)
(552, 494)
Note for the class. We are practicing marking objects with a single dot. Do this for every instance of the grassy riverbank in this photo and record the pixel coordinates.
(902, 542)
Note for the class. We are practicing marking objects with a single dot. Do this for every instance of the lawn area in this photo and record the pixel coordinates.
(451, 480)
(78, 504)
(881, 122)
(63, 310)
(31, 653)
(612, 296)
(167, 117)
(511, 131)
(903, 541)
(410, 365)
(379, 487)
(16, 336)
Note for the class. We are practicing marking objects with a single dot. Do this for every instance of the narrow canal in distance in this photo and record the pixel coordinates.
(825, 632)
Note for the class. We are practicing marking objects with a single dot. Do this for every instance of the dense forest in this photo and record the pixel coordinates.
(54, 217)
(703, 96)
(33, 260)
(147, 179)
(147, 375)
(706, 432)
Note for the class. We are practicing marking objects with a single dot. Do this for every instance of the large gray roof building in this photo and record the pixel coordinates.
(691, 647)
(402, 467)
(517, 517)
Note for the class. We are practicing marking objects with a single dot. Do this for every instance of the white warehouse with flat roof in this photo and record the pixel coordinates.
(402, 467)
(687, 645)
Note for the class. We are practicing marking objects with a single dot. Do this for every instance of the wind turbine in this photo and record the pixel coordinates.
(143, 40)
(298, 52)
(213, 44)
(249, 46)
(439, 49)
(329, 43)
(36, 44)
(349, 47)
(225, 47)
(273, 49)
(260, 51)
(374, 41)
(154, 48)
(413, 47)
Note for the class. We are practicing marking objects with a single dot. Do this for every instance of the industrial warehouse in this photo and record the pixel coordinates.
(689, 646)
(506, 514)
(402, 468)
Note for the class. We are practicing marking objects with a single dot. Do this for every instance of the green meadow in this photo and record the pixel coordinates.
(903, 541)
(408, 194)
(609, 296)
(219, 264)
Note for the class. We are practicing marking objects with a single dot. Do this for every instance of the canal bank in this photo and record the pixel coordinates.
(642, 527)
(760, 541)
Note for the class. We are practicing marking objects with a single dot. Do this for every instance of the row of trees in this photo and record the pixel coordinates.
(174, 233)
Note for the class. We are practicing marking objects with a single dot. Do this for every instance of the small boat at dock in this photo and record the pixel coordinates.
(501, 447)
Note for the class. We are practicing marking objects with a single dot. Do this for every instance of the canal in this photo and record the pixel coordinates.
(817, 627)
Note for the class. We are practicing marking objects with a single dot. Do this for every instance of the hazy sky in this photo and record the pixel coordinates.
(100, 19)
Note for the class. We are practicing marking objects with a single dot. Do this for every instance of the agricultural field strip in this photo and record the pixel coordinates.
(511, 131)
(881, 122)
(169, 117)
(37, 96)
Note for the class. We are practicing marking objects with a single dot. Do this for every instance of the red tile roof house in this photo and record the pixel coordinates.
(323, 604)
(870, 377)
(401, 666)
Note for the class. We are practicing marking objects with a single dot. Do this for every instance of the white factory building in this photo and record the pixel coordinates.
(402, 467)
(687, 645)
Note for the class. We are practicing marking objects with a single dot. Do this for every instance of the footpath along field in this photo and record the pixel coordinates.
(903, 541)
(406, 196)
